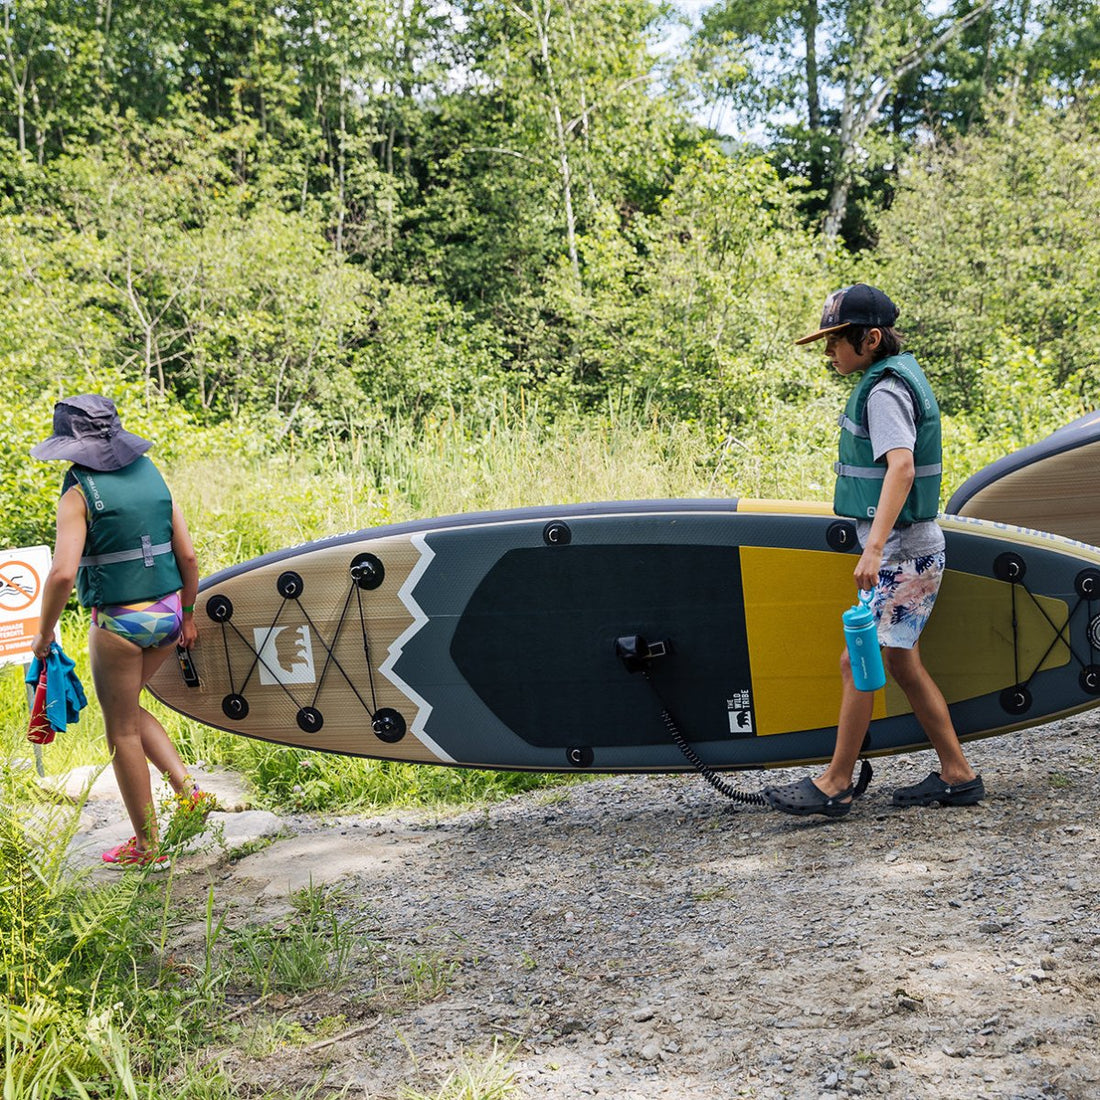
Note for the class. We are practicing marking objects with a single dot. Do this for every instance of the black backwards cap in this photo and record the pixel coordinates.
(859, 304)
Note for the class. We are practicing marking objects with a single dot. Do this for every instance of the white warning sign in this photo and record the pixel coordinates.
(22, 573)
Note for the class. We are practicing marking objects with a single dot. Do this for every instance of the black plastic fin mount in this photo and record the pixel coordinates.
(634, 651)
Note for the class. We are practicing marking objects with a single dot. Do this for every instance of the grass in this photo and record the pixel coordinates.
(316, 947)
(478, 1077)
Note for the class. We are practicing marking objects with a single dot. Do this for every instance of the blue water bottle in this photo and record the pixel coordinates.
(861, 637)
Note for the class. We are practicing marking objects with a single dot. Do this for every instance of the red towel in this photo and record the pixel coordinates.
(40, 732)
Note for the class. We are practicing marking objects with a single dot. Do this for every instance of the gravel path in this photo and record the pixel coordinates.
(641, 937)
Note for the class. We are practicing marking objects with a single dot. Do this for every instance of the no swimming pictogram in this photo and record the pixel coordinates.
(19, 585)
(22, 574)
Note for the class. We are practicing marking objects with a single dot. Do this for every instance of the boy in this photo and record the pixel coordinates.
(888, 480)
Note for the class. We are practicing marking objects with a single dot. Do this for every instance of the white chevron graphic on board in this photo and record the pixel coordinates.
(420, 620)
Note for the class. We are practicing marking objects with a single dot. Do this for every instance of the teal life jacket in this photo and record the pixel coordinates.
(128, 550)
(859, 476)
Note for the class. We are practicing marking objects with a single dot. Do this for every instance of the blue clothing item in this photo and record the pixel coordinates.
(65, 697)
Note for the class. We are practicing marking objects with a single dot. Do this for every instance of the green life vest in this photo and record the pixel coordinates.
(859, 476)
(128, 550)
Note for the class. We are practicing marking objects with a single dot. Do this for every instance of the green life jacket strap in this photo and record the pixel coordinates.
(146, 552)
(877, 473)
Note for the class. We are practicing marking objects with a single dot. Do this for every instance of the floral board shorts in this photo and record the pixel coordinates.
(904, 598)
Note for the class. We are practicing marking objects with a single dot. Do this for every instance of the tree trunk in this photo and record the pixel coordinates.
(863, 102)
(341, 167)
(810, 19)
(542, 27)
(18, 80)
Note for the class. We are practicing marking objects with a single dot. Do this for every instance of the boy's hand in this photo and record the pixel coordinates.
(866, 571)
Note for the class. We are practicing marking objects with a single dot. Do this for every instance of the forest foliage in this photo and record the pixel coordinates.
(303, 226)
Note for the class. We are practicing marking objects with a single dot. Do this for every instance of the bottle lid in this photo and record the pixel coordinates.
(858, 615)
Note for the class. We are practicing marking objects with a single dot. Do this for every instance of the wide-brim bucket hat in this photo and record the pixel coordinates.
(87, 431)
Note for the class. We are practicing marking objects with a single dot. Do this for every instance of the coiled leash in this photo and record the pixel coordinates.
(636, 653)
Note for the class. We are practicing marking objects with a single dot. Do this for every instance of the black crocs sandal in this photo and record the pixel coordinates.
(934, 789)
(805, 797)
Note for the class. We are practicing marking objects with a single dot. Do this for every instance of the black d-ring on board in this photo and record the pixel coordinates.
(219, 609)
(310, 720)
(289, 585)
(1009, 567)
(367, 571)
(235, 706)
(1016, 700)
(1090, 679)
(841, 536)
(580, 756)
(557, 533)
(1087, 584)
(388, 725)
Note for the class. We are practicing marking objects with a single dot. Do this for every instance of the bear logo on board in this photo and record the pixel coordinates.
(740, 713)
(286, 655)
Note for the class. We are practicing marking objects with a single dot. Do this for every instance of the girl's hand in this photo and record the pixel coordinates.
(40, 644)
(189, 632)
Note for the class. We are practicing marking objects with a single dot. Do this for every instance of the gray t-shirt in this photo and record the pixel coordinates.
(892, 423)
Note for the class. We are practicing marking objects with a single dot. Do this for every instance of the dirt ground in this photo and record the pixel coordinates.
(642, 937)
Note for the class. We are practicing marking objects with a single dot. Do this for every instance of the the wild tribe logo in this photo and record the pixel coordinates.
(740, 712)
(286, 655)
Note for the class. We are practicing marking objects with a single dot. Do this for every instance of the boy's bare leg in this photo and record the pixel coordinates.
(930, 710)
(856, 708)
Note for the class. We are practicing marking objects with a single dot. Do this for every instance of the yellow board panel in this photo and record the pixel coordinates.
(793, 603)
(967, 645)
(784, 507)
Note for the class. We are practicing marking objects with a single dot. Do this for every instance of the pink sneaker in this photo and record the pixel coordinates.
(128, 854)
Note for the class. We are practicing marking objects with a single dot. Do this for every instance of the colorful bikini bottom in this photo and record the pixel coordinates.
(146, 623)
